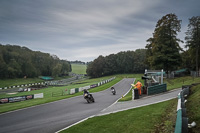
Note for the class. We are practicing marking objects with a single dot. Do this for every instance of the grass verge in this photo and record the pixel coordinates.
(128, 97)
(138, 120)
(171, 84)
(22, 81)
(79, 68)
(180, 81)
(193, 108)
(48, 94)
(18, 81)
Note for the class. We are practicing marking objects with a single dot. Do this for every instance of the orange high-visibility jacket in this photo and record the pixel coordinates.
(138, 85)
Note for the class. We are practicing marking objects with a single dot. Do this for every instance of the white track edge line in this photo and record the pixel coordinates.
(117, 99)
(44, 103)
(92, 115)
(75, 123)
(112, 112)
(136, 106)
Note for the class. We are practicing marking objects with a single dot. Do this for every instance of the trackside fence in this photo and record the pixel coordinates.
(181, 118)
(156, 89)
(20, 98)
(76, 90)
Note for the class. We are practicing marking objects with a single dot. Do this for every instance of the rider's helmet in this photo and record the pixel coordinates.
(85, 91)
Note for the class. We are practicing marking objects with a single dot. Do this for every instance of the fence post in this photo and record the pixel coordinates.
(133, 94)
(162, 76)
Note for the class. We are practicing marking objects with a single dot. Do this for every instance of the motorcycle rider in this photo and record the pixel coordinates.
(113, 90)
(85, 92)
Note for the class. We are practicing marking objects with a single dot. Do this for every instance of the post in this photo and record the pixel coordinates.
(133, 94)
(145, 71)
(162, 76)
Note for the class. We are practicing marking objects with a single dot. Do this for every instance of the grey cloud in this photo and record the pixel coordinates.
(83, 30)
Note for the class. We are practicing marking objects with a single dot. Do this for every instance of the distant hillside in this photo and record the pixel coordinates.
(18, 62)
(79, 68)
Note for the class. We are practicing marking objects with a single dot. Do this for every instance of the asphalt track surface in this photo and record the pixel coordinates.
(144, 101)
(51, 117)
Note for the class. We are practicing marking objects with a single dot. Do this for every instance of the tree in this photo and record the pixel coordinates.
(57, 70)
(65, 68)
(98, 66)
(193, 38)
(122, 62)
(163, 48)
(110, 66)
(17, 62)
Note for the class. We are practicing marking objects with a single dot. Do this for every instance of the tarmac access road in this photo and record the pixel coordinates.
(51, 117)
(143, 101)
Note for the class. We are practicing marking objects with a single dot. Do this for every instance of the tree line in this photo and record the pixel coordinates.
(77, 62)
(162, 51)
(122, 62)
(17, 62)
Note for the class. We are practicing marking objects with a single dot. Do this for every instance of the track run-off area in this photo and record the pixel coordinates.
(54, 116)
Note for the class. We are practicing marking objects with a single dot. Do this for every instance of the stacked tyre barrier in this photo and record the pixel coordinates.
(50, 83)
(181, 119)
(24, 85)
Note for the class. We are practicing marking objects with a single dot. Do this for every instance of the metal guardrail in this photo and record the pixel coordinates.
(181, 119)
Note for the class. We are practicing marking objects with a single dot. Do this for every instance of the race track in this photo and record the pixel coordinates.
(51, 117)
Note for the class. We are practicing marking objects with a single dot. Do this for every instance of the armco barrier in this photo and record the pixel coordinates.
(178, 128)
(156, 89)
(181, 118)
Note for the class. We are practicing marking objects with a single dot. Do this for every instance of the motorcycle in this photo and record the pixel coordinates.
(113, 90)
(89, 98)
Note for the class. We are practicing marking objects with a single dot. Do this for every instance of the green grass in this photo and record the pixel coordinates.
(48, 93)
(180, 81)
(159, 117)
(154, 118)
(193, 108)
(79, 68)
(18, 81)
(22, 81)
(128, 97)
(139, 120)
(171, 84)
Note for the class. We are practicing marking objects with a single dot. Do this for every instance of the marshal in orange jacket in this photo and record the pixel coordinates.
(138, 85)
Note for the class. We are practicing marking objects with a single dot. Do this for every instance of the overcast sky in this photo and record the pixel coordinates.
(84, 29)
